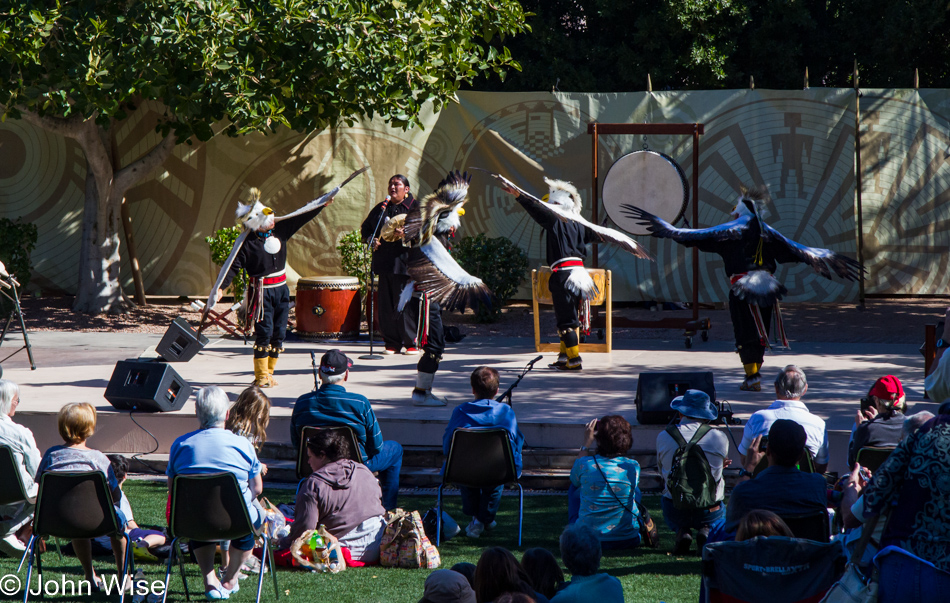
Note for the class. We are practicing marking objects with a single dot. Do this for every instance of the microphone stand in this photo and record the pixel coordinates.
(313, 363)
(371, 287)
(506, 397)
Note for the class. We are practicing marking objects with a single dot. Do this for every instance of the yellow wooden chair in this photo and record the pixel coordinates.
(540, 294)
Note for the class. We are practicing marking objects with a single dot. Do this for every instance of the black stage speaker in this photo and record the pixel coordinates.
(655, 391)
(180, 342)
(146, 386)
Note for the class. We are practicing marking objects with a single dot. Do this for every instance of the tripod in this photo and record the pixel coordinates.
(506, 397)
(372, 286)
(8, 289)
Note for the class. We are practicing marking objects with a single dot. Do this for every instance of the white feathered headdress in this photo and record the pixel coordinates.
(563, 194)
(254, 215)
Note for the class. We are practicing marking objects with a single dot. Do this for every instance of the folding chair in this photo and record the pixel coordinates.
(809, 526)
(16, 493)
(873, 457)
(218, 318)
(303, 467)
(74, 505)
(774, 569)
(805, 465)
(905, 578)
(480, 458)
(210, 507)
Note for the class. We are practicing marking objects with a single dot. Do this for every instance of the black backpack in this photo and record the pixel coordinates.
(690, 481)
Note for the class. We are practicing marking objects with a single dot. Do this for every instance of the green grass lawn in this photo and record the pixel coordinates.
(647, 575)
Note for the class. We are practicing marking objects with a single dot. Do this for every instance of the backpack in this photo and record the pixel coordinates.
(690, 481)
(405, 543)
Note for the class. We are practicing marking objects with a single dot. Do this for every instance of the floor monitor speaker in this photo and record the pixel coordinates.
(180, 342)
(655, 391)
(146, 386)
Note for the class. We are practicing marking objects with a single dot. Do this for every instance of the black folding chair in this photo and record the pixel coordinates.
(480, 458)
(210, 508)
(805, 465)
(14, 492)
(74, 505)
(809, 526)
(873, 457)
(303, 467)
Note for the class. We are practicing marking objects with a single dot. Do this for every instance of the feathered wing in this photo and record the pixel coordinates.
(223, 273)
(323, 199)
(824, 261)
(438, 274)
(601, 234)
(421, 222)
(660, 228)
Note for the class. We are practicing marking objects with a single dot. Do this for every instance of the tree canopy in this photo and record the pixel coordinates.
(80, 67)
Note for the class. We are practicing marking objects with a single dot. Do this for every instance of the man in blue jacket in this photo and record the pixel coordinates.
(482, 503)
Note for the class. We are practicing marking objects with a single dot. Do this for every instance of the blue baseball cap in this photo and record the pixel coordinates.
(695, 404)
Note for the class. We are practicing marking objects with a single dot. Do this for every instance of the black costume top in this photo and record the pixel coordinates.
(389, 257)
(739, 256)
(257, 262)
(564, 239)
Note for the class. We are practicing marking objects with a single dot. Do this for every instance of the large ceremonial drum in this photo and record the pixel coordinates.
(543, 294)
(328, 307)
(649, 180)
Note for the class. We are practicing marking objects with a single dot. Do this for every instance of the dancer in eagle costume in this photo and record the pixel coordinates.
(437, 281)
(567, 236)
(750, 249)
(261, 250)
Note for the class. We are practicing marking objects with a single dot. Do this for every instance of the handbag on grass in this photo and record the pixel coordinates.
(405, 543)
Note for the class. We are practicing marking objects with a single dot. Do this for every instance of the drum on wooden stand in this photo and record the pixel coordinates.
(328, 307)
(649, 180)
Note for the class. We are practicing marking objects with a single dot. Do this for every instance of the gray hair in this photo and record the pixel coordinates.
(211, 406)
(580, 550)
(8, 389)
(791, 382)
(331, 379)
(914, 422)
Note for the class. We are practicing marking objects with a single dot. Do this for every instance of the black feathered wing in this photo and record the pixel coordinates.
(660, 228)
(437, 273)
(824, 261)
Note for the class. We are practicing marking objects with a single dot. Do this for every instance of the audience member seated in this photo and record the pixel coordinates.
(581, 552)
(515, 598)
(332, 405)
(790, 387)
(881, 424)
(467, 570)
(781, 488)
(759, 522)
(544, 573)
(937, 382)
(77, 423)
(141, 538)
(250, 416)
(497, 573)
(340, 494)
(695, 409)
(912, 482)
(447, 586)
(482, 503)
(214, 449)
(603, 493)
(15, 524)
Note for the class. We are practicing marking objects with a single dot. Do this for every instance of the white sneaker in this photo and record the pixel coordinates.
(474, 529)
(389, 352)
(427, 399)
(11, 546)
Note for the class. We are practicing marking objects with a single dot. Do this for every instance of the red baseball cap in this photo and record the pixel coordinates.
(885, 388)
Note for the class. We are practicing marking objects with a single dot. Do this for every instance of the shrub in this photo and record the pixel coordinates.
(221, 243)
(17, 241)
(501, 264)
(355, 257)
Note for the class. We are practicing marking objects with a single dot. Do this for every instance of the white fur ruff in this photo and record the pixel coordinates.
(580, 283)
(272, 245)
(759, 287)
(406, 295)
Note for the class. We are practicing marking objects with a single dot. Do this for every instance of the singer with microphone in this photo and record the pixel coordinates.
(382, 231)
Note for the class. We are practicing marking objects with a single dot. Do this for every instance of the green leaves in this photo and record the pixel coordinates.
(501, 264)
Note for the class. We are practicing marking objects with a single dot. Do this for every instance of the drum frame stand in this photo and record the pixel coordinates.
(8, 283)
(691, 325)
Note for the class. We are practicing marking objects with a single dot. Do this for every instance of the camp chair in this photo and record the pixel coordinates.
(905, 578)
(774, 569)
(210, 507)
(303, 467)
(480, 458)
(74, 505)
(873, 457)
(805, 465)
(809, 526)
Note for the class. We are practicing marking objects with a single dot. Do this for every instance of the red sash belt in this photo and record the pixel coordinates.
(735, 277)
(560, 265)
(274, 280)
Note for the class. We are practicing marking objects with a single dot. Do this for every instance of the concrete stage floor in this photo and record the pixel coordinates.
(551, 406)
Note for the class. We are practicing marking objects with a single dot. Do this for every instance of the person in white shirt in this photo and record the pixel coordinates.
(937, 383)
(15, 519)
(695, 410)
(790, 387)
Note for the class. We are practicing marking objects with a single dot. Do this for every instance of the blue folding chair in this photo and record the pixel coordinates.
(906, 578)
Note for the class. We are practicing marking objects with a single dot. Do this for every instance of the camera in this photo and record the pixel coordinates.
(725, 416)
(764, 443)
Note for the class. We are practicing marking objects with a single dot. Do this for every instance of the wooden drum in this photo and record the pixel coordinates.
(543, 294)
(328, 307)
